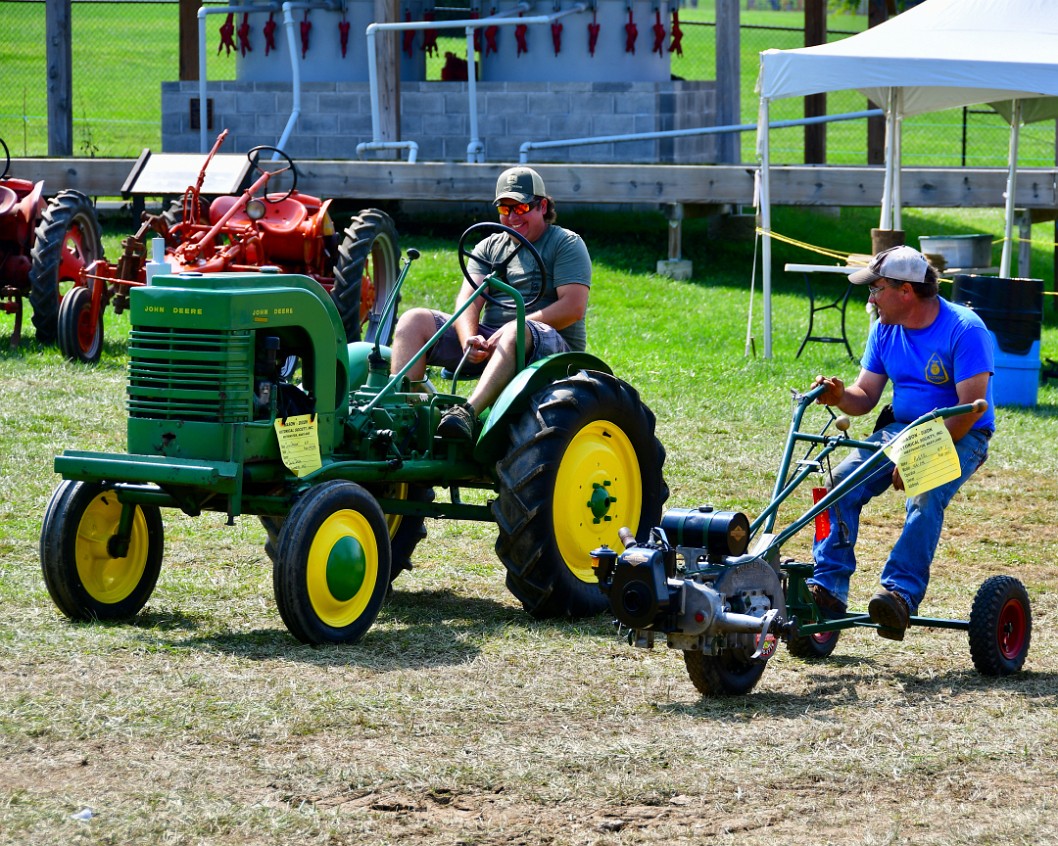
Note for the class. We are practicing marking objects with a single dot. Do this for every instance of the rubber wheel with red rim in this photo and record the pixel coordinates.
(1000, 626)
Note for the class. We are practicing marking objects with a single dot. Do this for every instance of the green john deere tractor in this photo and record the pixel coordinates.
(245, 399)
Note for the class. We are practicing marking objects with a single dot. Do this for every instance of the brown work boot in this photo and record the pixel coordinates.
(458, 423)
(890, 613)
(830, 607)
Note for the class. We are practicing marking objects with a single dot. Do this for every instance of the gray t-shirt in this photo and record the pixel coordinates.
(566, 261)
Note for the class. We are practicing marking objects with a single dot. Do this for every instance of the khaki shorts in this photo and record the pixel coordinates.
(447, 352)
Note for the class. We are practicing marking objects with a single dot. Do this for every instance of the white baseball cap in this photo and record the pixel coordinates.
(902, 263)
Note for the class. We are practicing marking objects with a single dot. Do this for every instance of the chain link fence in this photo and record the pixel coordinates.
(122, 50)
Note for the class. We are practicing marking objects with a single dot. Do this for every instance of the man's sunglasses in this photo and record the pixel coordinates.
(517, 208)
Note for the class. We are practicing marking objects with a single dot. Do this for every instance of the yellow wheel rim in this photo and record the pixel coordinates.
(109, 580)
(598, 489)
(342, 568)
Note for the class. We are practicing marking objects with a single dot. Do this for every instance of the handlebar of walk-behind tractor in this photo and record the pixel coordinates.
(829, 444)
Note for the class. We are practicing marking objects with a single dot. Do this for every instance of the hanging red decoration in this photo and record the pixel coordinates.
(244, 35)
(306, 28)
(631, 33)
(227, 33)
(521, 32)
(474, 15)
(659, 33)
(408, 36)
(556, 36)
(429, 36)
(343, 34)
(677, 34)
(593, 33)
(270, 33)
(491, 33)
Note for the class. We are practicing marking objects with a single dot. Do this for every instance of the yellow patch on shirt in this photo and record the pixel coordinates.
(935, 372)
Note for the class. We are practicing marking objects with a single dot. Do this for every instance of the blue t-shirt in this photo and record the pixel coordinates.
(924, 365)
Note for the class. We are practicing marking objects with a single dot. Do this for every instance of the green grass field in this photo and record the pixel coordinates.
(459, 719)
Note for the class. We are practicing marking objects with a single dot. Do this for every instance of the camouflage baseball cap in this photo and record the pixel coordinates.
(521, 184)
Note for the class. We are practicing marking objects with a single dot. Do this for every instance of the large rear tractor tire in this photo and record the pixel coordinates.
(80, 337)
(365, 274)
(1000, 626)
(87, 575)
(332, 567)
(583, 462)
(406, 531)
(66, 241)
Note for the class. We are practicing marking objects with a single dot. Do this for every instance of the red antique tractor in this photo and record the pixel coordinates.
(43, 245)
(284, 229)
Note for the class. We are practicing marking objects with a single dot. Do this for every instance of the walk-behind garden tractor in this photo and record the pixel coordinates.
(713, 584)
(243, 232)
(44, 244)
(341, 464)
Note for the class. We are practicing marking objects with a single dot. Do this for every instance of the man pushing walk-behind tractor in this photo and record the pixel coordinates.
(726, 603)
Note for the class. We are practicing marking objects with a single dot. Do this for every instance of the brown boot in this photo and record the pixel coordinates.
(889, 611)
(830, 607)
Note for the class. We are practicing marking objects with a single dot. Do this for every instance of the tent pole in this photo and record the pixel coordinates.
(886, 219)
(898, 157)
(763, 153)
(1012, 171)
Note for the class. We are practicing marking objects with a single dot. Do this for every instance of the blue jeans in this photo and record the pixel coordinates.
(906, 572)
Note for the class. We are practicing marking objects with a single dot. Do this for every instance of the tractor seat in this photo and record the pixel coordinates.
(282, 218)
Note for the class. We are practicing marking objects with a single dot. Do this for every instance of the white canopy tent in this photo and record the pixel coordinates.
(941, 54)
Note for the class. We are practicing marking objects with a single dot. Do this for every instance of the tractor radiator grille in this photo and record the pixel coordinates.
(176, 374)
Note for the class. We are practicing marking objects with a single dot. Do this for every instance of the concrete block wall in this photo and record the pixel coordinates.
(336, 116)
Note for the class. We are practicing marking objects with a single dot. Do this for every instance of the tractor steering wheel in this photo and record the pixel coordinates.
(500, 266)
(7, 159)
(254, 155)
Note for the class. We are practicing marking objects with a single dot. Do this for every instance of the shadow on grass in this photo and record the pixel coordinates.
(832, 689)
(421, 629)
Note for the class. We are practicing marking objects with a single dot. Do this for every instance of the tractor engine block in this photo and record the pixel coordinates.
(709, 597)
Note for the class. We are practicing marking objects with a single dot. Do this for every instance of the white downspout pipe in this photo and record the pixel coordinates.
(504, 19)
(203, 127)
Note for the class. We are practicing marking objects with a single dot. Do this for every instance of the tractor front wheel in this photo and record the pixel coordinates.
(80, 337)
(365, 274)
(66, 241)
(1000, 626)
(332, 564)
(91, 571)
(583, 462)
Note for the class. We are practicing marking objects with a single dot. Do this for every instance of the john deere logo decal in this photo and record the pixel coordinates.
(935, 372)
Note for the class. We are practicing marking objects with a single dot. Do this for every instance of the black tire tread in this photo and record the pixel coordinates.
(536, 573)
(991, 597)
(359, 240)
(68, 208)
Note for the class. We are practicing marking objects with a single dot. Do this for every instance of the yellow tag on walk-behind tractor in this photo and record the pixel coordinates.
(299, 444)
(925, 456)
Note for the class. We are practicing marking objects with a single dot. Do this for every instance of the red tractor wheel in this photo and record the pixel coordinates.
(80, 337)
(66, 241)
(365, 274)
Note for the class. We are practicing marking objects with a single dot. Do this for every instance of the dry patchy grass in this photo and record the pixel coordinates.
(460, 720)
